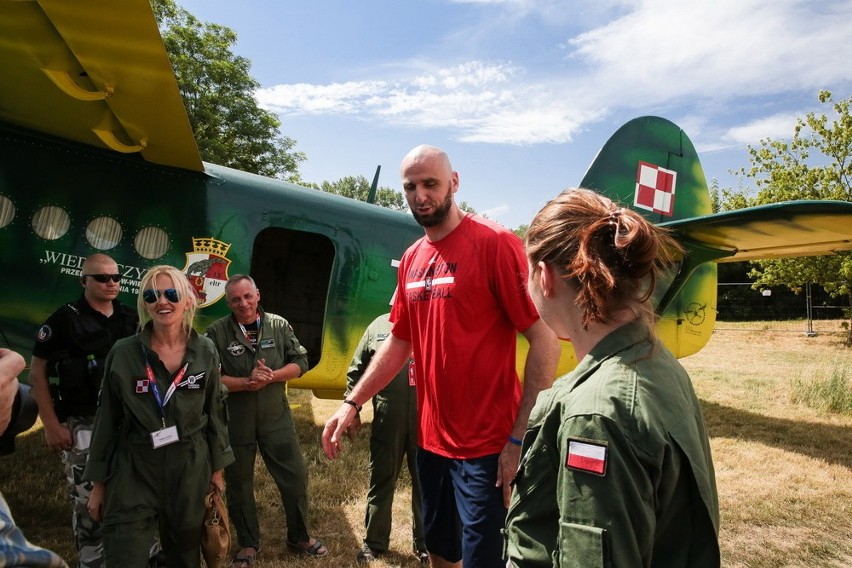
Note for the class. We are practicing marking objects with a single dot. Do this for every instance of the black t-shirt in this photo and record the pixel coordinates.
(75, 341)
(58, 332)
(250, 330)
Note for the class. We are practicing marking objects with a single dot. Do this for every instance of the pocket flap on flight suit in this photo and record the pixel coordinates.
(581, 546)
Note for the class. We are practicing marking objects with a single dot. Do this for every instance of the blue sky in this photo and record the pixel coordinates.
(523, 93)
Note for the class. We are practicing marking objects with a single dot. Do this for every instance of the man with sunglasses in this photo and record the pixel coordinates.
(71, 348)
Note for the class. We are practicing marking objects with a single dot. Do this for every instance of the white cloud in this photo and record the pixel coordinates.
(777, 126)
(495, 213)
(337, 98)
(667, 50)
(527, 126)
(481, 101)
(652, 56)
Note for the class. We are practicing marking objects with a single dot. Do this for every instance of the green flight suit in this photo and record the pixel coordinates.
(262, 419)
(616, 467)
(393, 436)
(149, 488)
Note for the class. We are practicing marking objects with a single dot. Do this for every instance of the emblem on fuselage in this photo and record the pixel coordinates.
(655, 189)
(695, 313)
(207, 269)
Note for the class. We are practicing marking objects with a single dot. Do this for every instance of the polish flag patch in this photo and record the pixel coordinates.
(655, 189)
(141, 386)
(587, 455)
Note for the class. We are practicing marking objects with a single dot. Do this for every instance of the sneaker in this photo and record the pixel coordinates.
(422, 556)
(366, 554)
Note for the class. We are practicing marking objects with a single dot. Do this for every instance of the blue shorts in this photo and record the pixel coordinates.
(463, 510)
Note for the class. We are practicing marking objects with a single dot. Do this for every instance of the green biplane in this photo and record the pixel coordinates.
(97, 154)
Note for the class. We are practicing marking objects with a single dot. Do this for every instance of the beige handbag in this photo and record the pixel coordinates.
(216, 538)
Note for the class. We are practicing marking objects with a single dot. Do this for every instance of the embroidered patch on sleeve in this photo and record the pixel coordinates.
(587, 455)
(44, 333)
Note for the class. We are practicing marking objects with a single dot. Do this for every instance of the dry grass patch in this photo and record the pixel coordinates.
(336, 492)
(784, 469)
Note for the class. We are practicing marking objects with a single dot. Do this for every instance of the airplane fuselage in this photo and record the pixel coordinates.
(324, 262)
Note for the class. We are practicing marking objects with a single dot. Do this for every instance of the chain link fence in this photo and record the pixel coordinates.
(810, 312)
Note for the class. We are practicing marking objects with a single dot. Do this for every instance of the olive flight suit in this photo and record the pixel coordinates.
(616, 467)
(262, 419)
(393, 436)
(146, 487)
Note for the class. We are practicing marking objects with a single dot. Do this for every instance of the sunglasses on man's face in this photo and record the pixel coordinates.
(150, 296)
(104, 278)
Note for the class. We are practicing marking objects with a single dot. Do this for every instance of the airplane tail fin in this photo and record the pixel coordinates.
(651, 166)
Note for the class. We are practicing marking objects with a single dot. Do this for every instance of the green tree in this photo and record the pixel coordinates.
(816, 163)
(715, 196)
(359, 188)
(218, 91)
(521, 231)
(467, 208)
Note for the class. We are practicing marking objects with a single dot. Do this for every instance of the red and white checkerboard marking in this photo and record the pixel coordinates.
(655, 189)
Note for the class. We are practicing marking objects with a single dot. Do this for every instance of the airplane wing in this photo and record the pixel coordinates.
(88, 72)
(777, 230)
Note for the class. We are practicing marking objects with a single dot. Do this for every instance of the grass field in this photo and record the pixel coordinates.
(784, 469)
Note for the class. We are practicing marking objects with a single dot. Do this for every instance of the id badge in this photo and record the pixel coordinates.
(164, 437)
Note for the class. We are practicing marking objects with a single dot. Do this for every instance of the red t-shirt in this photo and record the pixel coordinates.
(461, 302)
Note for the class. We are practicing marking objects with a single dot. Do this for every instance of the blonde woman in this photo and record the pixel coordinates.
(160, 440)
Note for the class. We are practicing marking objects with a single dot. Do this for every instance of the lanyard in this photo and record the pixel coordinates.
(248, 337)
(155, 389)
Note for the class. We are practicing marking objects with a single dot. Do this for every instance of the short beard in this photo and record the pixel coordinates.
(437, 217)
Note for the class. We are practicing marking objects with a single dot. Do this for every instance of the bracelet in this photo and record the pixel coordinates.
(353, 404)
(513, 440)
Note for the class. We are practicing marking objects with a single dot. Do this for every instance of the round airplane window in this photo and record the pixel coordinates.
(7, 211)
(51, 222)
(103, 233)
(151, 242)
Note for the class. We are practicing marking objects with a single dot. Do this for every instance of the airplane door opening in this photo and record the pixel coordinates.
(292, 269)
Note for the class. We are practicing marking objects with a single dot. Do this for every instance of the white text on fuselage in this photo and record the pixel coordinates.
(72, 264)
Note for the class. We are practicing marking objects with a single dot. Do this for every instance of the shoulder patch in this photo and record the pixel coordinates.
(587, 455)
(44, 333)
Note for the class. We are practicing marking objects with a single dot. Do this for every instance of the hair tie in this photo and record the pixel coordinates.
(615, 216)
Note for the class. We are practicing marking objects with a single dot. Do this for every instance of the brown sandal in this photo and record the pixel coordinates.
(317, 549)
